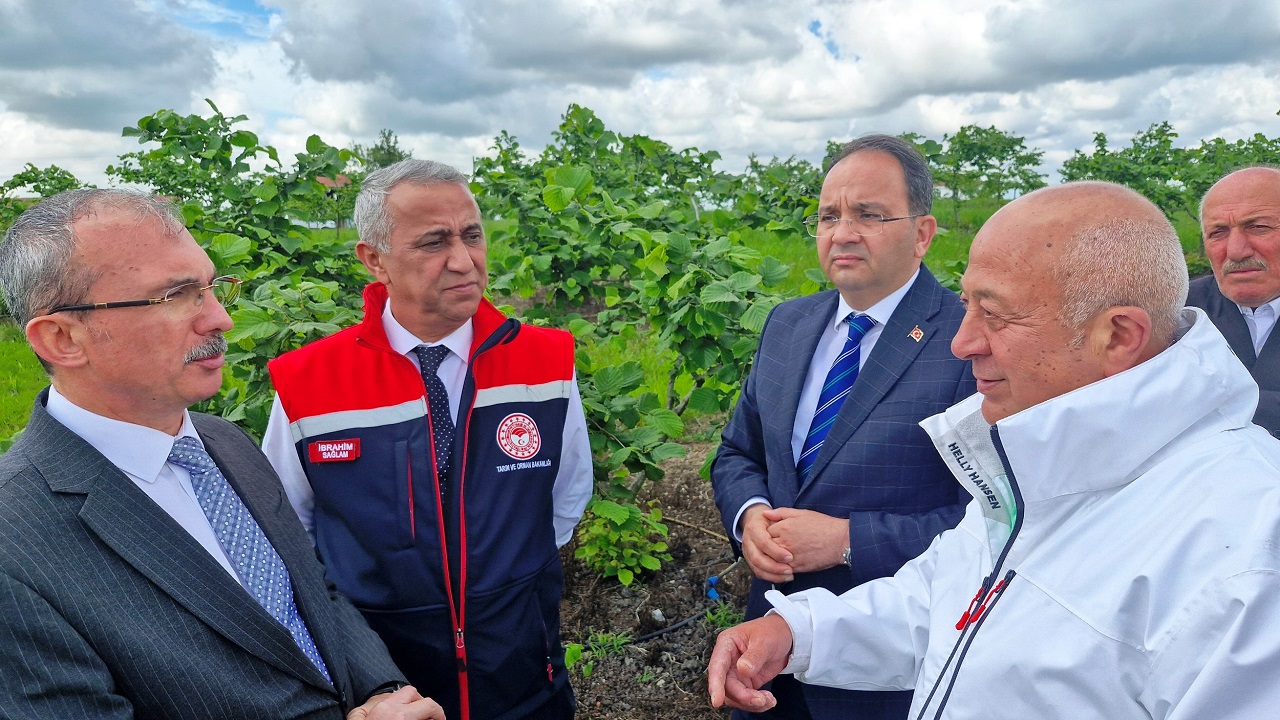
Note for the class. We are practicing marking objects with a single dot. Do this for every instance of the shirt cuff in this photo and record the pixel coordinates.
(796, 614)
(737, 519)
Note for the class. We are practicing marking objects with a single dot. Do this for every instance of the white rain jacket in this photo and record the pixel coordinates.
(1121, 559)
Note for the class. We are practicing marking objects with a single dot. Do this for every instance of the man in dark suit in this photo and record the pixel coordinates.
(1240, 220)
(150, 566)
(826, 481)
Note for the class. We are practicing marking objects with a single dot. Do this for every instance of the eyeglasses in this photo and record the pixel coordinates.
(183, 301)
(865, 223)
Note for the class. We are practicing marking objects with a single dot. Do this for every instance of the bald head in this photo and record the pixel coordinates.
(1102, 245)
(1240, 222)
(1066, 286)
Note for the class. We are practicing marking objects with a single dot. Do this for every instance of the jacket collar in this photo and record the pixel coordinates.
(1085, 440)
(486, 321)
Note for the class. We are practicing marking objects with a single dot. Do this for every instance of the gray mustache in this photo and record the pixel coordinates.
(213, 347)
(1252, 263)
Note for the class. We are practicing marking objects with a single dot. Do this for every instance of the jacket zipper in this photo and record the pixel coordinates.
(984, 602)
(458, 600)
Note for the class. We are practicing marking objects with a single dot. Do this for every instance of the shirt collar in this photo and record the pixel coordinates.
(881, 311)
(137, 450)
(1274, 305)
(403, 341)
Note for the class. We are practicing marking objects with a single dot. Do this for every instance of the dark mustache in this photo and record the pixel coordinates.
(213, 347)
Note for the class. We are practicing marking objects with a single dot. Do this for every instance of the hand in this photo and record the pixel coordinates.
(746, 657)
(403, 704)
(767, 559)
(814, 540)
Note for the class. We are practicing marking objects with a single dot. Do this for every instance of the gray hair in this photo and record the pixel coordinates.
(373, 222)
(37, 268)
(914, 167)
(1137, 262)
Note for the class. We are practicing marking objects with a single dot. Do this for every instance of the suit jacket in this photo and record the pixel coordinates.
(1264, 366)
(877, 467)
(109, 609)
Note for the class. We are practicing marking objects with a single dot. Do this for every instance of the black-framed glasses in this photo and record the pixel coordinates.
(185, 300)
(863, 223)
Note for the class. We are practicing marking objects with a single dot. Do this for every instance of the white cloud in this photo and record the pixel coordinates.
(735, 76)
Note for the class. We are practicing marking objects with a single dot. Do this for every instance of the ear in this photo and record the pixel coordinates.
(1120, 337)
(58, 339)
(372, 259)
(926, 228)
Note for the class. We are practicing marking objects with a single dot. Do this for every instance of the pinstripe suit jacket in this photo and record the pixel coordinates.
(877, 467)
(109, 609)
(1264, 366)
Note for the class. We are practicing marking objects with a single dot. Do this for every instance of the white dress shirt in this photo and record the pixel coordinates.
(142, 453)
(573, 484)
(1261, 320)
(829, 347)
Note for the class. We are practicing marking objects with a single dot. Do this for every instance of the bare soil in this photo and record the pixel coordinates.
(662, 677)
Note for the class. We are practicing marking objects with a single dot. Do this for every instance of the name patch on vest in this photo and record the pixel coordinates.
(518, 436)
(334, 450)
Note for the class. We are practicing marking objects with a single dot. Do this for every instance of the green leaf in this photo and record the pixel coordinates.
(744, 281)
(625, 576)
(557, 197)
(618, 379)
(652, 210)
(315, 145)
(612, 511)
(577, 178)
(773, 271)
(228, 249)
(243, 138)
(753, 319)
(718, 292)
(704, 400)
(667, 421)
(650, 562)
(666, 451)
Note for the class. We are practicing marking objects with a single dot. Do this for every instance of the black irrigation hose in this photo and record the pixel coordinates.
(711, 593)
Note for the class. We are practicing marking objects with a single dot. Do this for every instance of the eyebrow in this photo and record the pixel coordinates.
(863, 206)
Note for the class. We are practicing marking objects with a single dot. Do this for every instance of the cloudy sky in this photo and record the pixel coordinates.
(736, 76)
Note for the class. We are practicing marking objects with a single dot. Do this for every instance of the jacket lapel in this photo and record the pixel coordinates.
(780, 419)
(147, 539)
(893, 354)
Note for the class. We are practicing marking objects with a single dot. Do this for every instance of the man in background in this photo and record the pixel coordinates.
(438, 454)
(146, 568)
(830, 482)
(1240, 221)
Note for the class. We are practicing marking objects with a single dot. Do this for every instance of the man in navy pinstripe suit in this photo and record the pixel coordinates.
(872, 492)
(125, 590)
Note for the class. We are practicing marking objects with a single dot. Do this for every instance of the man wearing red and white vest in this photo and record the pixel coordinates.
(437, 453)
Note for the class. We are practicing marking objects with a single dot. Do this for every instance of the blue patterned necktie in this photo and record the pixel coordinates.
(259, 565)
(442, 429)
(838, 384)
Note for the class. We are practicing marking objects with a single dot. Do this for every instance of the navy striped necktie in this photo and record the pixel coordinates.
(837, 386)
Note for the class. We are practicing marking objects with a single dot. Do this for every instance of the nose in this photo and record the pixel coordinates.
(969, 341)
(213, 316)
(459, 259)
(1239, 246)
(846, 232)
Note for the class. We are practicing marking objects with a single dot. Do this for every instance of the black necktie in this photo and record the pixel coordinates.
(437, 405)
